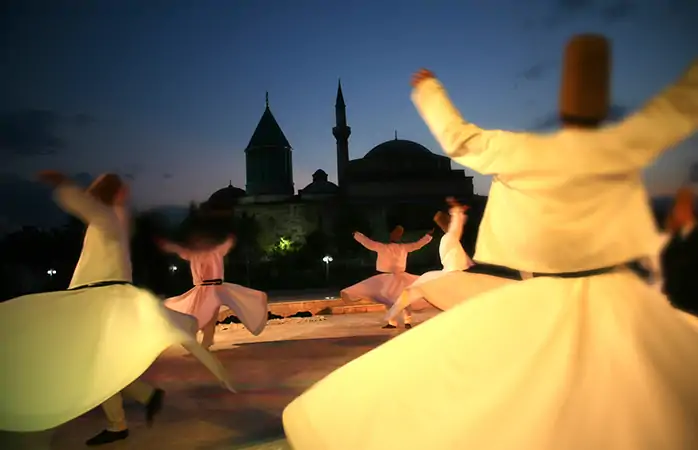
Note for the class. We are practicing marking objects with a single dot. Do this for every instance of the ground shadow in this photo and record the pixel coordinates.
(199, 414)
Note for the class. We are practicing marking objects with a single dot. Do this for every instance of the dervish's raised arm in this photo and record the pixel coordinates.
(223, 248)
(170, 247)
(666, 120)
(628, 146)
(414, 246)
(457, 222)
(366, 242)
(75, 201)
(485, 151)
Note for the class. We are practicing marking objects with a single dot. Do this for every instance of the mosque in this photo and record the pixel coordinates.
(397, 182)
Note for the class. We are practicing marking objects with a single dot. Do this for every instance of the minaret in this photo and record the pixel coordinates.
(341, 133)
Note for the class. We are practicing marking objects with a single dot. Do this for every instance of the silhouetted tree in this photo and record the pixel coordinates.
(348, 220)
(150, 264)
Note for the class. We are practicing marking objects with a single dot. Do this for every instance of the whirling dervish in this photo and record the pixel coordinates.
(583, 355)
(210, 292)
(654, 262)
(103, 331)
(455, 285)
(391, 261)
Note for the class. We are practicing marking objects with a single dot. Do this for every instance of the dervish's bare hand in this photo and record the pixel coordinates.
(421, 75)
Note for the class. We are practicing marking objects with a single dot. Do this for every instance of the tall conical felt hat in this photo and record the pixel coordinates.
(105, 187)
(586, 80)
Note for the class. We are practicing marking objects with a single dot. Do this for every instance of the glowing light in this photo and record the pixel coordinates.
(327, 259)
(51, 272)
(173, 268)
(285, 244)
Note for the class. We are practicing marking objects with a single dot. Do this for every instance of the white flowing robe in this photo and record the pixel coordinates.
(601, 362)
(66, 352)
(204, 302)
(445, 288)
(391, 260)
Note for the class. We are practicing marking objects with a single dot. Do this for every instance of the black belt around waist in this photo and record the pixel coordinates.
(495, 271)
(100, 284)
(214, 282)
(505, 272)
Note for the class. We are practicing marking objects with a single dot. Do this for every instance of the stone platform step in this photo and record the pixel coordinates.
(322, 307)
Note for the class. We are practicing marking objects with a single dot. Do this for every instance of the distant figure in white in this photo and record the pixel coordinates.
(96, 338)
(453, 259)
(654, 261)
(583, 355)
(210, 292)
(391, 261)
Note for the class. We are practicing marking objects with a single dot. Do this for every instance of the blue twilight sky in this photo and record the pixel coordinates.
(168, 92)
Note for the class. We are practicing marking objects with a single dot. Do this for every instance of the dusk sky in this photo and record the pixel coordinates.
(168, 93)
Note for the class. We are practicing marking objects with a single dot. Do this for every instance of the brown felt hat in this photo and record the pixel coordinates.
(442, 220)
(397, 233)
(586, 80)
(106, 187)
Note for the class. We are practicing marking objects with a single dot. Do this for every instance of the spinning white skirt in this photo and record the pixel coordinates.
(544, 364)
(384, 288)
(444, 290)
(64, 353)
(204, 302)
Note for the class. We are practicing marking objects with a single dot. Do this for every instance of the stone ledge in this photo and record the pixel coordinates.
(331, 306)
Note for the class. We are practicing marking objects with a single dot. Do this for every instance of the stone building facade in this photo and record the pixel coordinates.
(397, 182)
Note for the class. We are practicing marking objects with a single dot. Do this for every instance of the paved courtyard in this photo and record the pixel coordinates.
(268, 371)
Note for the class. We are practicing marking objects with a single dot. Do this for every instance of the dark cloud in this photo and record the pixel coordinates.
(35, 132)
(83, 120)
(30, 133)
(167, 176)
(27, 202)
(574, 6)
(618, 11)
(537, 71)
(130, 171)
(552, 120)
(564, 11)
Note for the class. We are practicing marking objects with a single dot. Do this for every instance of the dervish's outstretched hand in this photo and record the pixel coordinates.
(53, 178)
(421, 75)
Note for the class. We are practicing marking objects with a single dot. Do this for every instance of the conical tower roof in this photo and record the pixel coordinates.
(268, 132)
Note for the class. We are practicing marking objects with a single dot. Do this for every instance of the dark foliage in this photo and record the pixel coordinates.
(150, 265)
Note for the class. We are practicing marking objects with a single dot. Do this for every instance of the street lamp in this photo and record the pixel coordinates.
(173, 269)
(51, 273)
(327, 259)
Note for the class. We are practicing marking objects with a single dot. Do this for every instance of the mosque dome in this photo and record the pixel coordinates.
(225, 198)
(398, 158)
(399, 148)
(320, 185)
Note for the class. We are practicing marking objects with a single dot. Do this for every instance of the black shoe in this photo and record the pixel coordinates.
(107, 437)
(389, 327)
(154, 406)
(408, 326)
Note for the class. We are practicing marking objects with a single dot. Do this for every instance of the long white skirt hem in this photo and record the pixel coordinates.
(64, 353)
(603, 362)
